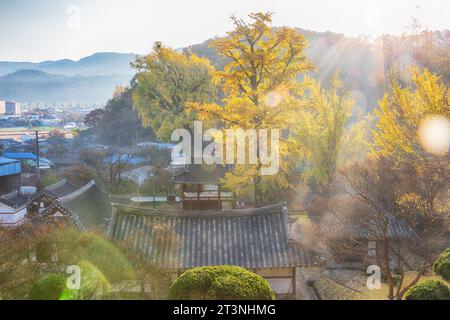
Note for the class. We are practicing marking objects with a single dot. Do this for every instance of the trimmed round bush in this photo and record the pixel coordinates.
(50, 287)
(442, 265)
(429, 290)
(220, 283)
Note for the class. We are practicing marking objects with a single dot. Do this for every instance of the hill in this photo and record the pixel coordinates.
(33, 85)
(102, 63)
(363, 66)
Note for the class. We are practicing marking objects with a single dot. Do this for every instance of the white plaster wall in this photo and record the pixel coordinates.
(13, 217)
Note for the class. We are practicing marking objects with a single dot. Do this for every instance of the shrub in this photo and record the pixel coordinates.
(442, 265)
(220, 283)
(75, 247)
(50, 287)
(429, 290)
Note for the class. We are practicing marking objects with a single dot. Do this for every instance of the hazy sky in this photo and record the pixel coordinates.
(47, 30)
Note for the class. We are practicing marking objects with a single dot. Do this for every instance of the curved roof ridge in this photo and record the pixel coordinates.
(6, 202)
(269, 209)
(78, 192)
(56, 185)
(9, 194)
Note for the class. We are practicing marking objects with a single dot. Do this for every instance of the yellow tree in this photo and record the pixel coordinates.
(404, 113)
(413, 128)
(261, 87)
(166, 80)
(325, 132)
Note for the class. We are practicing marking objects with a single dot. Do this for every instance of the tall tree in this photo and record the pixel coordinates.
(57, 142)
(324, 130)
(261, 87)
(117, 124)
(404, 110)
(166, 80)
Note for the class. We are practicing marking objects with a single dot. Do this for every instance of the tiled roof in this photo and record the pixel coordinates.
(250, 238)
(62, 188)
(200, 174)
(88, 205)
(14, 199)
(92, 207)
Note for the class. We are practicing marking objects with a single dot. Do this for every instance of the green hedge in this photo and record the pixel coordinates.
(220, 283)
(429, 290)
(50, 287)
(442, 265)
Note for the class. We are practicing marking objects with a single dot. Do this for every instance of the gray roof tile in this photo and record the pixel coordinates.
(251, 238)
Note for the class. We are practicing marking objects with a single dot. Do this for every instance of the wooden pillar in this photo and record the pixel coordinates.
(199, 187)
(183, 190)
(220, 199)
(294, 282)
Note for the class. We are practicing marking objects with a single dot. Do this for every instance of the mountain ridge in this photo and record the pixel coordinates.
(362, 67)
(99, 63)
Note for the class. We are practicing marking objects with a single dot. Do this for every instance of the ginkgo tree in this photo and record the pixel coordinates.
(262, 91)
(403, 112)
(165, 81)
(325, 132)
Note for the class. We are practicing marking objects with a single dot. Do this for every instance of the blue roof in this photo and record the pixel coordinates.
(124, 158)
(9, 167)
(20, 155)
(43, 162)
(159, 145)
(7, 160)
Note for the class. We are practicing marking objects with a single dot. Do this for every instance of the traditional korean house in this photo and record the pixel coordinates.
(257, 239)
(13, 208)
(87, 207)
(201, 189)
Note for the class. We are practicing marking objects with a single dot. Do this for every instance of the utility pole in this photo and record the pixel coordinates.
(152, 175)
(38, 174)
(153, 182)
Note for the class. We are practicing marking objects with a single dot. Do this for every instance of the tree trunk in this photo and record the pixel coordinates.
(257, 190)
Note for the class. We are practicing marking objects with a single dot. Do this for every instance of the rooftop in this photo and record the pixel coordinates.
(250, 238)
(14, 199)
(200, 174)
(4, 160)
(9, 166)
(88, 205)
(62, 188)
(20, 155)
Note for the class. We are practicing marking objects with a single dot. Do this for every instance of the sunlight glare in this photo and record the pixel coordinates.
(434, 135)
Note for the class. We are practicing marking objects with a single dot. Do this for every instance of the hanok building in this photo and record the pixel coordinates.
(256, 239)
(201, 189)
(13, 207)
(86, 207)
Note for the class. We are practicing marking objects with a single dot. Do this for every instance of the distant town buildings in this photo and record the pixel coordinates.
(10, 108)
